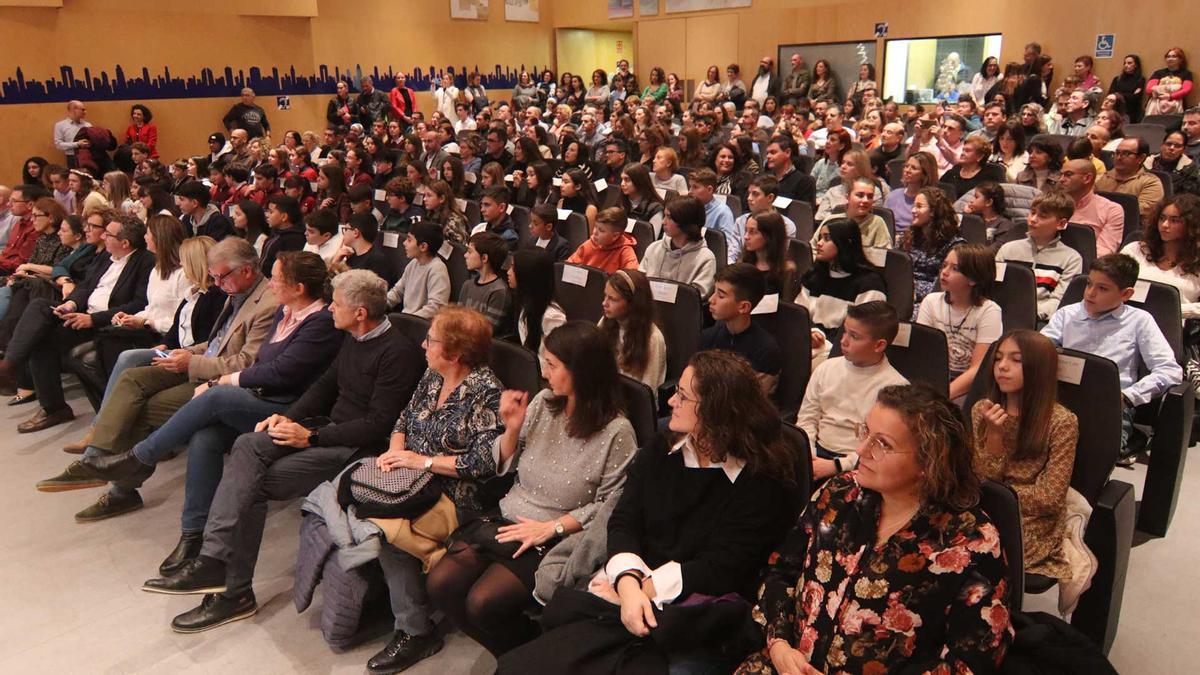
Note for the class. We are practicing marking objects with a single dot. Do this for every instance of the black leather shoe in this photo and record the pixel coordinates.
(216, 610)
(404, 651)
(124, 466)
(18, 399)
(202, 575)
(110, 506)
(186, 550)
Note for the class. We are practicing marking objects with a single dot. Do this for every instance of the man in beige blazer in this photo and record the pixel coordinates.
(144, 398)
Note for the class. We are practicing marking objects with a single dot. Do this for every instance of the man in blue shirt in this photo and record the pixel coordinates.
(703, 186)
(1105, 326)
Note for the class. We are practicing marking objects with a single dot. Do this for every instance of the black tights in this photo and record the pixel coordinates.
(483, 599)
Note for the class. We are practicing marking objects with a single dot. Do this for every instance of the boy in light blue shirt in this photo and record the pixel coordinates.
(1105, 326)
(703, 186)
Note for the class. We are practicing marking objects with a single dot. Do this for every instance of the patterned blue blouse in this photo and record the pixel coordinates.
(926, 269)
(464, 427)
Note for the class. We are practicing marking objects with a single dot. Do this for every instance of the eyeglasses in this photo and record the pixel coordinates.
(1125, 153)
(431, 340)
(872, 445)
(684, 398)
(110, 235)
(220, 278)
(40, 215)
(1172, 144)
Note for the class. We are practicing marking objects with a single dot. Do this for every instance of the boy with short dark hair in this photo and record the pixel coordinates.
(265, 184)
(738, 289)
(402, 212)
(322, 234)
(493, 206)
(1105, 326)
(843, 389)
(425, 285)
(610, 247)
(702, 185)
(359, 251)
(1054, 263)
(543, 231)
(760, 199)
(488, 292)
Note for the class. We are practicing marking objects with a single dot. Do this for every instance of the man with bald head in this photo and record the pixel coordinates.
(795, 85)
(65, 131)
(766, 82)
(891, 146)
(248, 115)
(1128, 176)
(1078, 179)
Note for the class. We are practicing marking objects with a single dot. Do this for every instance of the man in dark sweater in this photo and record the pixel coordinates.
(349, 411)
(247, 115)
(286, 223)
(359, 251)
(781, 161)
(200, 218)
(739, 288)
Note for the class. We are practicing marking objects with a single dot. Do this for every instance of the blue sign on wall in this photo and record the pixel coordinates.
(1105, 43)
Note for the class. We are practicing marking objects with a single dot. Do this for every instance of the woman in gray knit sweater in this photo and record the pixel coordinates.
(572, 446)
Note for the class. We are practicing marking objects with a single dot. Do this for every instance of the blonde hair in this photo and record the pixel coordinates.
(193, 257)
(672, 157)
(861, 162)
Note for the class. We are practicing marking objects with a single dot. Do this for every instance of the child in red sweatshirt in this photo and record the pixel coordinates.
(610, 247)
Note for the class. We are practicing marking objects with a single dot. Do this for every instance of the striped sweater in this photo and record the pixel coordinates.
(1054, 265)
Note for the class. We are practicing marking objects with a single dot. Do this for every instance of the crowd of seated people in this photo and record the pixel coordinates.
(236, 304)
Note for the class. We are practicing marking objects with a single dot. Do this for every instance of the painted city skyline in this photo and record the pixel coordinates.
(100, 86)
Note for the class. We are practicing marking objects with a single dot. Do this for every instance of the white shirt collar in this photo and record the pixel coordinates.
(731, 466)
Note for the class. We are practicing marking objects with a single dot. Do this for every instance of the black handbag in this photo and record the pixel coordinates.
(399, 493)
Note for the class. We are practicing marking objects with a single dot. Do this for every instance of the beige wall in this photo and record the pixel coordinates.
(582, 51)
(186, 37)
(691, 42)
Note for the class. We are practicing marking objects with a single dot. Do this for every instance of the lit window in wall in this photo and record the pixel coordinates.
(932, 69)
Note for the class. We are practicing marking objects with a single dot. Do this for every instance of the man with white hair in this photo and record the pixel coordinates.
(66, 129)
(248, 115)
(357, 401)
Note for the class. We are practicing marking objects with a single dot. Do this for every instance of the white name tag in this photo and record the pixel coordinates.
(661, 192)
(313, 185)
(479, 228)
(768, 305)
(563, 213)
(380, 196)
(601, 185)
(470, 177)
(391, 239)
(508, 209)
(1001, 268)
(557, 182)
(664, 292)
(724, 199)
(508, 178)
(876, 256)
(446, 250)
(630, 225)
(574, 275)
(1070, 369)
(542, 243)
(781, 202)
(461, 204)
(1140, 289)
(903, 334)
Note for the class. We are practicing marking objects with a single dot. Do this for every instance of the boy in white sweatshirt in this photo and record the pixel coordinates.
(842, 390)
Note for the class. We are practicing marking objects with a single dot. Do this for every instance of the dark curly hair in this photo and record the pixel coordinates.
(1189, 251)
(942, 227)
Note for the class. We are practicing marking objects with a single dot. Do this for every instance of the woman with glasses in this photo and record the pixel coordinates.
(449, 429)
(1171, 158)
(893, 567)
(701, 510)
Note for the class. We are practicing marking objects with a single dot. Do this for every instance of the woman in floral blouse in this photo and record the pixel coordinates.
(1026, 440)
(893, 567)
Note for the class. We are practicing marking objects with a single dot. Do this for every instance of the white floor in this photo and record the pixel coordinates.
(70, 600)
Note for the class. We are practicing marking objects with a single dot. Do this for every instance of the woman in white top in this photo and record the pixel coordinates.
(1009, 150)
(598, 92)
(628, 325)
(445, 95)
(962, 311)
(531, 278)
(1169, 251)
(665, 164)
(984, 80)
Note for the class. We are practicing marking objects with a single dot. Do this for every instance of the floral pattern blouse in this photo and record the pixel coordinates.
(926, 268)
(933, 598)
(464, 427)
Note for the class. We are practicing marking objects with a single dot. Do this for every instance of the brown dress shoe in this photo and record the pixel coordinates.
(45, 420)
(78, 447)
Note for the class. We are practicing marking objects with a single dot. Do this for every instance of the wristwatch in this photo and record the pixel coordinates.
(428, 463)
(314, 438)
(559, 530)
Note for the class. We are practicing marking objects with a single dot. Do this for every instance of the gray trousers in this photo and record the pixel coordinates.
(406, 590)
(257, 471)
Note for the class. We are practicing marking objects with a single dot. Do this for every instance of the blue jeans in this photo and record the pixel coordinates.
(208, 424)
(5, 298)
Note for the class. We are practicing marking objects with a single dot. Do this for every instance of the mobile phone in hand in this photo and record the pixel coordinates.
(161, 354)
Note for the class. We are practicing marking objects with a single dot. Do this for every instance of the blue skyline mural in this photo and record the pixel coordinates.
(100, 86)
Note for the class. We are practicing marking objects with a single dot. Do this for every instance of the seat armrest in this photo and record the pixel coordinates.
(1168, 449)
(1109, 536)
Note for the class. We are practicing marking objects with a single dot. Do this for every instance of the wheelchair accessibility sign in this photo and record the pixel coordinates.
(1104, 45)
